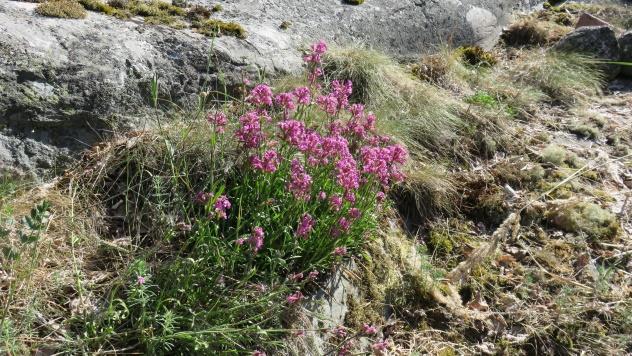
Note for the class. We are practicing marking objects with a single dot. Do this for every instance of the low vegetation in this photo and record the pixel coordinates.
(67, 9)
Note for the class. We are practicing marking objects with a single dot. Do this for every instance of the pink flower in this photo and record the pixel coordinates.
(294, 298)
(356, 110)
(328, 103)
(341, 91)
(240, 241)
(369, 329)
(340, 331)
(258, 353)
(293, 131)
(350, 196)
(256, 239)
(344, 224)
(340, 251)
(300, 182)
(295, 277)
(322, 195)
(380, 346)
(221, 205)
(370, 122)
(355, 213)
(269, 163)
(336, 202)
(313, 275)
(303, 95)
(249, 134)
(347, 173)
(219, 120)
(318, 49)
(261, 95)
(140, 280)
(285, 100)
(380, 197)
(305, 226)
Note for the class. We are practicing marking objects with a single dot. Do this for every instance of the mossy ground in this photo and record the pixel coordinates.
(154, 12)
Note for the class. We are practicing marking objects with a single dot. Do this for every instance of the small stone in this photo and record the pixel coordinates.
(588, 20)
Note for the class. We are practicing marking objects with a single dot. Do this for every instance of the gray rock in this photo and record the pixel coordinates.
(599, 42)
(65, 84)
(625, 43)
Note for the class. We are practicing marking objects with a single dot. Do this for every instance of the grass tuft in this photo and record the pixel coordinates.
(67, 9)
(215, 28)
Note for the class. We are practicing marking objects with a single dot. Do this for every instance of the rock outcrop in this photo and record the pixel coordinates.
(64, 84)
(599, 42)
(625, 43)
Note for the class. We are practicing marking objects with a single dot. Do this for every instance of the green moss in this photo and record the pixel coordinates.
(66, 9)
(553, 154)
(98, 6)
(215, 28)
(476, 56)
(167, 20)
(585, 131)
(482, 98)
(447, 236)
(585, 218)
(217, 8)
(354, 2)
(154, 8)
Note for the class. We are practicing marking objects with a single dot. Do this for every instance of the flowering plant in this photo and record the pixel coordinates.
(313, 174)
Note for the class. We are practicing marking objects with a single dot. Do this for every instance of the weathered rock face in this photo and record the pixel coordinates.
(66, 83)
(599, 42)
(625, 43)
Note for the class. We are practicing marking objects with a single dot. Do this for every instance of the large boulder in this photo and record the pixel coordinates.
(599, 42)
(625, 43)
(64, 84)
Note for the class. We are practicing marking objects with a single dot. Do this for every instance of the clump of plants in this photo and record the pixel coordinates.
(476, 56)
(67, 9)
(215, 28)
(585, 218)
(354, 2)
(309, 176)
(98, 6)
(526, 32)
(565, 78)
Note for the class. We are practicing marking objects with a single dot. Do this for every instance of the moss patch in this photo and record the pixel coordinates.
(98, 6)
(585, 218)
(215, 28)
(66, 9)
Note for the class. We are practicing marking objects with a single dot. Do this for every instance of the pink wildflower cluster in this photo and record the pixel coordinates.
(300, 182)
(261, 95)
(294, 298)
(383, 162)
(250, 134)
(221, 205)
(255, 240)
(305, 226)
(218, 120)
(314, 60)
(268, 163)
